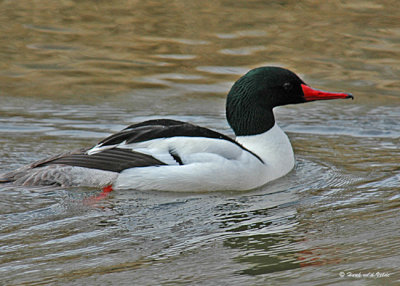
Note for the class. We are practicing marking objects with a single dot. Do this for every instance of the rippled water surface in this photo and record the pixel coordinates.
(72, 72)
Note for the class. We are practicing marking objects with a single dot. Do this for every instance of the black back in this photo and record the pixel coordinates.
(161, 128)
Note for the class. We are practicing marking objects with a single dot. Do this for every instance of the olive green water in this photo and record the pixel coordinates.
(72, 72)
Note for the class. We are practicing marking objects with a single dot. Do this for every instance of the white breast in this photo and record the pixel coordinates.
(275, 150)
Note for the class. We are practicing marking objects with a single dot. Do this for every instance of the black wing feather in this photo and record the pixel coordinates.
(161, 128)
(114, 160)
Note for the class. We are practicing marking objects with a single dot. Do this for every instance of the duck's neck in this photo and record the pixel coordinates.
(246, 116)
(274, 148)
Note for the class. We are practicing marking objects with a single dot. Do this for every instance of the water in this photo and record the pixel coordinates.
(72, 72)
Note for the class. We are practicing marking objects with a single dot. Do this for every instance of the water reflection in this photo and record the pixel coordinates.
(263, 236)
(260, 255)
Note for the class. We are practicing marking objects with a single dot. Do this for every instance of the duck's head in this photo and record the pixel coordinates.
(251, 99)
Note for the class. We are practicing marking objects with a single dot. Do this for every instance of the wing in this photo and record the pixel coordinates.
(147, 131)
(151, 143)
(156, 129)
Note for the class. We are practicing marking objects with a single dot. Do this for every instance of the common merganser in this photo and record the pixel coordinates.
(171, 155)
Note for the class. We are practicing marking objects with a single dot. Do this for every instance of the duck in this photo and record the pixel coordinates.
(172, 155)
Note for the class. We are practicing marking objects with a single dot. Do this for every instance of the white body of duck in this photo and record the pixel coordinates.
(212, 164)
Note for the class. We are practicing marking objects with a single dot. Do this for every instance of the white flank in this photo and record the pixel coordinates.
(211, 164)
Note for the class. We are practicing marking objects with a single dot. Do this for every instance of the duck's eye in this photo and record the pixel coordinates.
(287, 86)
